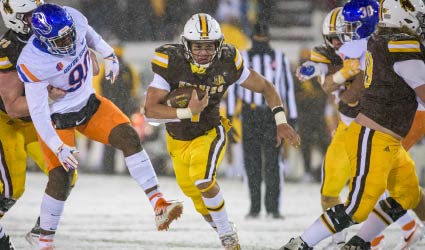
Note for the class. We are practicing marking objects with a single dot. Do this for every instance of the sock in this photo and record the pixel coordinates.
(154, 196)
(50, 213)
(316, 233)
(140, 167)
(218, 213)
(374, 225)
(45, 240)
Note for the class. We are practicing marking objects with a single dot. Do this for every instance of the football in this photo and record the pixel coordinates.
(180, 97)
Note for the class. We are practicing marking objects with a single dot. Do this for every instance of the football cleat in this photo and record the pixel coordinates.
(356, 243)
(166, 212)
(230, 240)
(409, 240)
(32, 236)
(378, 243)
(296, 244)
(6, 243)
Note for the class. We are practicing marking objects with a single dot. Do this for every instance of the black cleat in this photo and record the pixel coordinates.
(6, 243)
(356, 243)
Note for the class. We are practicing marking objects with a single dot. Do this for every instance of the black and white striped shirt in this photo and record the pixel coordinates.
(275, 67)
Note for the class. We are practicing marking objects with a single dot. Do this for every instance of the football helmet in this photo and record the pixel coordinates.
(202, 28)
(409, 13)
(360, 19)
(332, 20)
(14, 13)
(55, 29)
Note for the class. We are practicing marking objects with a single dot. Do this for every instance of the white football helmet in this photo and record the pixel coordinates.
(13, 14)
(202, 28)
(333, 20)
(399, 13)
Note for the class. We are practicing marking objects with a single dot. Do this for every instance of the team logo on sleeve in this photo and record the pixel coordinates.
(59, 66)
(40, 23)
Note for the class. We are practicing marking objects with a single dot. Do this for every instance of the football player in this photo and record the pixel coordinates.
(18, 138)
(196, 143)
(58, 54)
(336, 168)
(377, 159)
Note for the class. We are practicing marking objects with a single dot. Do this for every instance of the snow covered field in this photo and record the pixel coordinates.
(111, 212)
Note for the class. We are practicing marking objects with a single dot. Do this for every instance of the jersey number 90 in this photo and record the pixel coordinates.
(79, 73)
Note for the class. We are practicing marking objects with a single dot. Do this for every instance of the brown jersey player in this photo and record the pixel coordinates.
(197, 140)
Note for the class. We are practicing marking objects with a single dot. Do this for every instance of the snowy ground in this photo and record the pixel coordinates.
(105, 212)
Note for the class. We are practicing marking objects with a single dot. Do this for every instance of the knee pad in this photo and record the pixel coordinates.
(340, 219)
(392, 208)
(6, 204)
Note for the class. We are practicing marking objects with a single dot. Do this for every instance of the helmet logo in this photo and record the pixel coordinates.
(407, 5)
(42, 25)
(6, 7)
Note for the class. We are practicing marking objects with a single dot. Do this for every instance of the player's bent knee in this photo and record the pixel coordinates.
(339, 218)
(392, 208)
(59, 184)
(125, 138)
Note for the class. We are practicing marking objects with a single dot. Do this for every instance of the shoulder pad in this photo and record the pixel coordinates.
(320, 54)
(165, 53)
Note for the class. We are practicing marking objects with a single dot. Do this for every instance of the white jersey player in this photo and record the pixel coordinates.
(57, 54)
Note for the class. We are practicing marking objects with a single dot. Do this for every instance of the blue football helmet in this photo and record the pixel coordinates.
(55, 29)
(360, 19)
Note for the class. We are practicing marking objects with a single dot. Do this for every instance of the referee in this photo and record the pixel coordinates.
(258, 125)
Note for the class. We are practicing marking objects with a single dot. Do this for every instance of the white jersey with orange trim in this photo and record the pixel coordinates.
(38, 69)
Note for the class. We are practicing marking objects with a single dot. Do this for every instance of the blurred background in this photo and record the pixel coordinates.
(136, 27)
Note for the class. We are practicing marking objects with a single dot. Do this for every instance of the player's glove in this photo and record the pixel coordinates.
(66, 156)
(351, 68)
(311, 69)
(112, 67)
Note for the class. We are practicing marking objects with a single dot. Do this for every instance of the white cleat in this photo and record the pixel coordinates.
(230, 240)
(166, 212)
(415, 236)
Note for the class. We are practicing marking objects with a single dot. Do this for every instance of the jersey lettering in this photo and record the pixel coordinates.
(79, 74)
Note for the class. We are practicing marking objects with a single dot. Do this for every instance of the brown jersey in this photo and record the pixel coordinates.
(388, 99)
(328, 55)
(11, 46)
(215, 80)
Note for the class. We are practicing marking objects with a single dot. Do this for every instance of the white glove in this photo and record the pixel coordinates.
(319, 70)
(112, 67)
(66, 156)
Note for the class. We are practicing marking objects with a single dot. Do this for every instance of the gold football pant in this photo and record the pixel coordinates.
(378, 162)
(197, 161)
(336, 166)
(18, 140)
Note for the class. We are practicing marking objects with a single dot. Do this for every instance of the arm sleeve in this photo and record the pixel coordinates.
(96, 42)
(160, 83)
(37, 99)
(409, 69)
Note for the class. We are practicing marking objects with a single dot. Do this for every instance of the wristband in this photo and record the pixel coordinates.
(184, 113)
(338, 78)
(279, 115)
